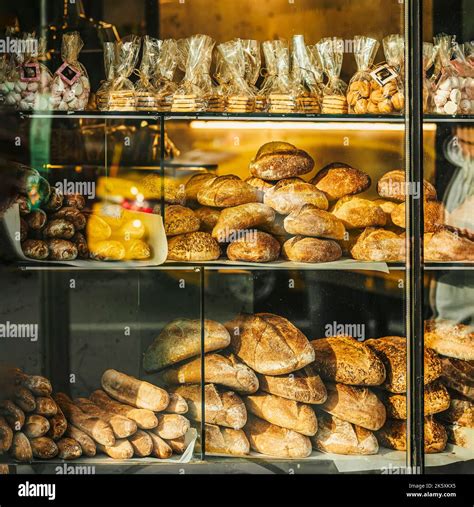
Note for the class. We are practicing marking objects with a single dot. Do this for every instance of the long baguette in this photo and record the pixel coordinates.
(6, 436)
(95, 427)
(38, 385)
(177, 404)
(21, 448)
(160, 448)
(171, 426)
(88, 446)
(135, 392)
(144, 418)
(142, 444)
(24, 398)
(178, 445)
(121, 449)
(58, 425)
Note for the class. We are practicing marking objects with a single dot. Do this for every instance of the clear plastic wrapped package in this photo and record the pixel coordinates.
(429, 55)
(71, 87)
(365, 49)
(331, 53)
(9, 75)
(466, 82)
(146, 95)
(102, 95)
(165, 74)
(253, 63)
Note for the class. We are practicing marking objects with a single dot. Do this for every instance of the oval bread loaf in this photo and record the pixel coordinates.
(450, 339)
(21, 448)
(68, 448)
(195, 183)
(225, 192)
(36, 426)
(392, 185)
(88, 446)
(448, 245)
(171, 426)
(357, 213)
(311, 221)
(378, 245)
(6, 436)
(180, 220)
(254, 246)
(142, 444)
(193, 246)
(288, 196)
(44, 448)
(302, 249)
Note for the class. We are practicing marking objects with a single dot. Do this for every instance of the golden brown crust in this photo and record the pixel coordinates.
(302, 249)
(180, 220)
(344, 359)
(193, 246)
(337, 180)
(174, 191)
(456, 377)
(288, 196)
(261, 185)
(450, 339)
(433, 211)
(357, 213)
(254, 246)
(225, 192)
(379, 245)
(311, 221)
(226, 440)
(447, 244)
(460, 411)
(208, 217)
(392, 186)
(194, 184)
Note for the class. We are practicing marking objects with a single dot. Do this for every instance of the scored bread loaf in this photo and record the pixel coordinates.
(193, 246)
(261, 185)
(181, 339)
(344, 359)
(288, 196)
(434, 214)
(283, 412)
(392, 185)
(178, 445)
(225, 440)
(273, 440)
(224, 369)
(254, 246)
(460, 411)
(392, 351)
(195, 183)
(337, 180)
(171, 426)
(311, 221)
(226, 191)
(460, 435)
(378, 245)
(357, 213)
(450, 339)
(207, 217)
(448, 244)
(304, 385)
(341, 437)
(358, 405)
(269, 344)
(302, 249)
(224, 408)
(180, 220)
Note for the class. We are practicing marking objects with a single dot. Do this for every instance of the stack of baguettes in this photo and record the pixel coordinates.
(127, 418)
(455, 344)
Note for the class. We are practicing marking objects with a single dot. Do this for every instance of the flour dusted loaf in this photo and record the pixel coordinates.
(337, 180)
(195, 183)
(311, 250)
(254, 246)
(207, 217)
(278, 160)
(193, 246)
(226, 440)
(434, 213)
(378, 245)
(269, 344)
(226, 191)
(392, 185)
(344, 359)
(181, 339)
(357, 213)
(448, 244)
(460, 435)
(341, 437)
(180, 220)
(450, 339)
(288, 195)
(311, 221)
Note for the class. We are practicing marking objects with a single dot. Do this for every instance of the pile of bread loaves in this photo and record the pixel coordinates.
(267, 388)
(275, 212)
(127, 418)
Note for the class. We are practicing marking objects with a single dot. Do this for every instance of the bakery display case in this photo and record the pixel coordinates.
(238, 244)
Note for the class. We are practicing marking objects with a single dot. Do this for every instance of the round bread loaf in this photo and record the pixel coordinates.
(180, 220)
(450, 339)
(357, 213)
(287, 196)
(301, 249)
(239, 218)
(225, 192)
(337, 180)
(379, 245)
(341, 437)
(278, 160)
(311, 221)
(254, 246)
(269, 344)
(344, 359)
(434, 215)
(194, 184)
(207, 217)
(273, 440)
(193, 246)
(304, 385)
(392, 186)
(448, 244)
(357, 405)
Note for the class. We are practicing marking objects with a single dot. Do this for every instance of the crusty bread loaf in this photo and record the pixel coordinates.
(194, 184)
(278, 160)
(392, 185)
(356, 213)
(152, 184)
(358, 405)
(225, 440)
(269, 344)
(436, 400)
(337, 180)
(224, 408)
(254, 246)
(43, 448)
(275, 228)
(121, 449)
(21, 448)
(161, 449)
(344, 359)
(434, 212)
(448, 244)
(392, 350)
(393, 435)
(177, 404)
(379, 245)
(460, 411)
(88, 445)
(6, 436)
(141, 443)
(304, 385)
(261, 185)
(224, 369)
(180, 220)
(207, 217)
(171, 426)
(35, 426)
(311, 221)
(460, 435)
(458, 377)
(178, 445)
(193, 246)
(450, 339)
(341, 437)
(239, 218)
(69, 448)
(302, 249)
(283, 412)
(181, 339)
(226, 191)
(288, 196)
(272, 440)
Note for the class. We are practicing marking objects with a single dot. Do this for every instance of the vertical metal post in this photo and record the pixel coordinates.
(415, 231)
(202, 311)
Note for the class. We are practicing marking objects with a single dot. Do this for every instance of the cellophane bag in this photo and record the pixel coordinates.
(331, 53)
(102, 95)
(307, 76)
(9, 76)
(146, 95)
(466, 82)
(165, 75)
(253, 63)
(278, 89)
(71, 87)
(239, 96)
(360, 86)
(196, 91)
(34, 84)
(429, 56)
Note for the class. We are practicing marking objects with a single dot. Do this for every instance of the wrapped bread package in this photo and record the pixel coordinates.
(165, 74)
(145, 92)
